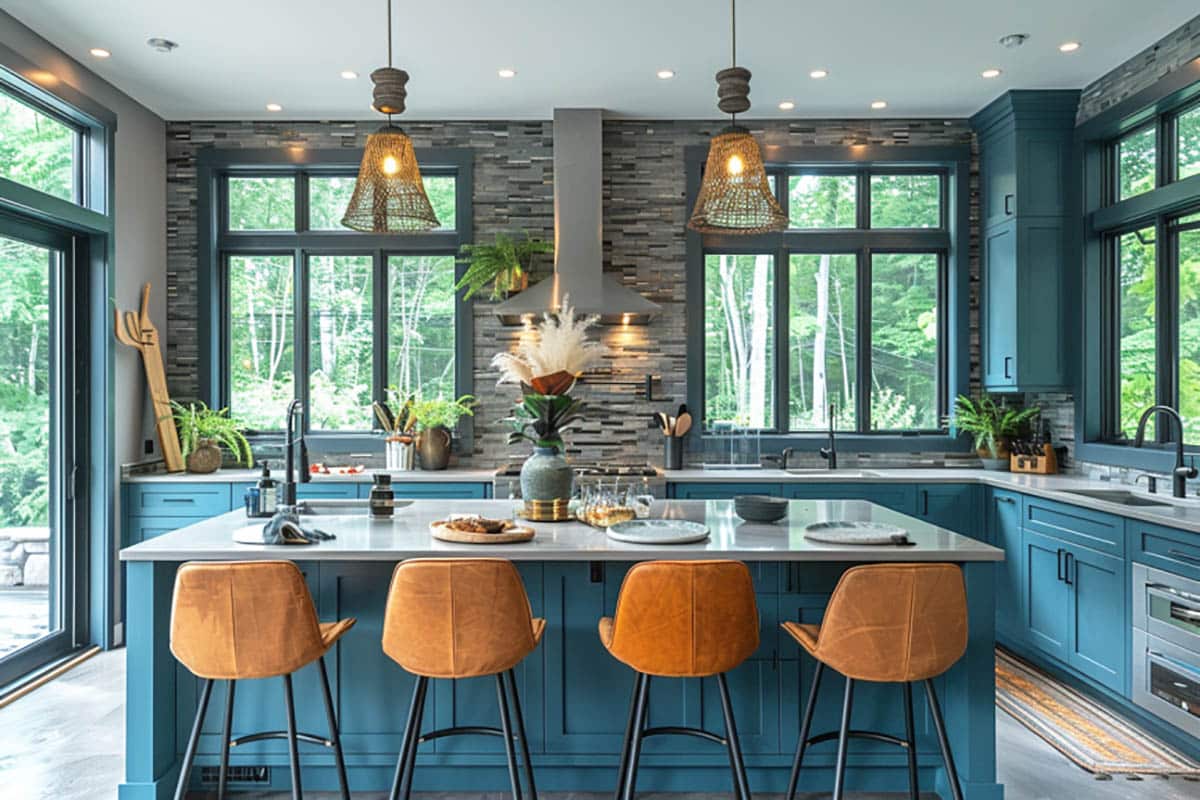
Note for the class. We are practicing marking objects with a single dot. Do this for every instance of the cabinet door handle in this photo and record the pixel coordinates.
(1060, 563)
(1008, 367)
(925, 502)
(1008, 500)
(1068, 563)
(596, 569)
(188, 500)
(1182, 556)
(1008, 198)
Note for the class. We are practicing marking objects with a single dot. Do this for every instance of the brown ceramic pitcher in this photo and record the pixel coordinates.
(433, 445)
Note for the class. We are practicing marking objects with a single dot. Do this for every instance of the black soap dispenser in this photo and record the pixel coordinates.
(268, 492)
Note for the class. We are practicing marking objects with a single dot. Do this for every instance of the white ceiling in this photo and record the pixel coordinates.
(922, 56)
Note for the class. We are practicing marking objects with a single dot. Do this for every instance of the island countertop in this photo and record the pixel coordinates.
(407, 535)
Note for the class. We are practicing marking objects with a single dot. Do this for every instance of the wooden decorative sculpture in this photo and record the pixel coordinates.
(136, 330)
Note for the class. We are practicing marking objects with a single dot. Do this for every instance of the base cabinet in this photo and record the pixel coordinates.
(1047, 596)
(1004, 531)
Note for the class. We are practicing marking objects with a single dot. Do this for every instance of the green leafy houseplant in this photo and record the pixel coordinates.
(504, 264)
(197, 424)
(543, 419)
(989, 424)
(442, 413)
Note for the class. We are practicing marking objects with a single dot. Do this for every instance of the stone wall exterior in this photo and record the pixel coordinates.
(644, 214)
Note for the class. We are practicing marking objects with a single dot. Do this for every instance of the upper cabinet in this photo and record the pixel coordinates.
(1026, 162)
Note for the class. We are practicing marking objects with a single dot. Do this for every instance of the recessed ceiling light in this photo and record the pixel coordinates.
(1014, 40)
(349, 74)
(1068, 47)
(274, 107)
(665, 74)
(786, 105)
(161, 45)
(99, 52)
(879, 104)
(817, 74)
(991, 73)
(506, 73)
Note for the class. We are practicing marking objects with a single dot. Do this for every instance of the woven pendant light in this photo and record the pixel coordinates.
(735, 196)
(389, 195)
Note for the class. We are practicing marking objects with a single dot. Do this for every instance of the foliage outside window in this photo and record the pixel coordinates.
(353, 344)
(1136, 360)
(37, 150)
(1188, 233)
(1137, 160)
(826, 360)
(1187, 144)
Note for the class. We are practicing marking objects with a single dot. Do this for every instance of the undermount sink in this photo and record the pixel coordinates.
(332, 508)
(1121, 497)
(823, 472)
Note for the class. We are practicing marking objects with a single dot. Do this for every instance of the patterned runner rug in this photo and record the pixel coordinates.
(1082, 730)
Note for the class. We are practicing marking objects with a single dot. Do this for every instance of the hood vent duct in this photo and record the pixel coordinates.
(578, 235)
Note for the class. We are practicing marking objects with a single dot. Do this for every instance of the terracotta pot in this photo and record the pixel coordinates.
(512, 283)
(555, 383)
(433, 446)
(205, 458)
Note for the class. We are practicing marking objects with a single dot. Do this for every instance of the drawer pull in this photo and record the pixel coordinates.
(1182, 556)
(1008, 500)
(1185, 614)
(178, 500)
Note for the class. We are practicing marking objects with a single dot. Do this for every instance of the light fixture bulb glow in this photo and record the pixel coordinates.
(991, 72)
(506, 73)
(1068, 47)
(786, 105)
(348, 74)
(879, 104)
(735, 165)
(390, 165)
(100, 52)
(274, 107)
(817, 74)
(665, 74)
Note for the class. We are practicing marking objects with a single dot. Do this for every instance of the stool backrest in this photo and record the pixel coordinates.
(685, 618)
(244, 619)
(457, 618)
(895, 622)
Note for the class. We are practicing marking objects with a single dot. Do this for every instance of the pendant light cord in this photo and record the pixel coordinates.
(389, 27)
(733, 45)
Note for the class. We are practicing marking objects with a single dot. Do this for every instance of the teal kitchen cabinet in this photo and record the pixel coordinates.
(1046, 596)
(721, 491)
(432, 491)
(1164, 548)
(951, 506)
(1026, 141)
(1004, 531)
(153, 508)
(896, 496)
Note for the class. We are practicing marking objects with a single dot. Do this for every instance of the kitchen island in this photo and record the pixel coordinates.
(575, 695)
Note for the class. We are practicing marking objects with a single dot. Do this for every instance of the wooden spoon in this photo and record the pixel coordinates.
(683, 424)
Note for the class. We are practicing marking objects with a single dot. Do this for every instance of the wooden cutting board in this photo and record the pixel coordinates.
(510, 536)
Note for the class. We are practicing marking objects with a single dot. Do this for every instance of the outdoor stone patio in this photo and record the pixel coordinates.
(25, 556)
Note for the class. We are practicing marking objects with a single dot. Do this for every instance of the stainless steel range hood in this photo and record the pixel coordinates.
(578, 243)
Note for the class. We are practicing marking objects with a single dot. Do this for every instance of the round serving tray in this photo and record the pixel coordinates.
(658, 531)
(855, 532)
(510, 536)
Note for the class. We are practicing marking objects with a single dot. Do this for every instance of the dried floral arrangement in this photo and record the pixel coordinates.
(549, 362)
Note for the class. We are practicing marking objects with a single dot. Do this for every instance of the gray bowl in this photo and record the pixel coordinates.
(760, 508)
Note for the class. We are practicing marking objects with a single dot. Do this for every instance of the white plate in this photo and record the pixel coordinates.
(854, 532)
(658, 531)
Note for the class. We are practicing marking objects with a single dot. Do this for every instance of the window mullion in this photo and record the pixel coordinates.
(1168, 319)
(862, 400)
(379, 365)
(783, 360)
(300, 333)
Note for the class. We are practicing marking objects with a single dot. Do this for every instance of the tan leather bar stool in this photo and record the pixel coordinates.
(681, 619)
(886, 623)
(240, 620)
(460, 618)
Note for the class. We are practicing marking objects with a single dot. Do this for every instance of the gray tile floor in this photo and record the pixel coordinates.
(64, 741)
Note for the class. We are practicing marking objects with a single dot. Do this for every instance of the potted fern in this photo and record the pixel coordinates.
(202, 434)
(505, 265)
(991, 426)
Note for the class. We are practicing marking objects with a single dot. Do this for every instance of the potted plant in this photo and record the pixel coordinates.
(505, 265)
(433, 420)
(992, 426)
(546, 367)
(202, 434)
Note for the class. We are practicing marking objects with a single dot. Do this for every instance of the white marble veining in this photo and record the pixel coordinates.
(360, 538)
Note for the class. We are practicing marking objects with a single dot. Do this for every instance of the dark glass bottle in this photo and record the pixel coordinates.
(381, 495)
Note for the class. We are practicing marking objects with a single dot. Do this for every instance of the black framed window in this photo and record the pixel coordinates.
(304, 308)
(40, 148)
(852, 295)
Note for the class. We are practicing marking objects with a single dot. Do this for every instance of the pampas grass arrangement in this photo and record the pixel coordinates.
(557, 353)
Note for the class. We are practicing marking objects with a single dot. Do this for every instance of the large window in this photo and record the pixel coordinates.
(842, 313)
(39, 150)
(1150, 251)
(334, 317)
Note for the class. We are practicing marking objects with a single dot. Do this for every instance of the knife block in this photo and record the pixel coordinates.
(1045, 464)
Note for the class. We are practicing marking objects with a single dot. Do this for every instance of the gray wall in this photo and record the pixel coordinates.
(140, 198)
(644, 238)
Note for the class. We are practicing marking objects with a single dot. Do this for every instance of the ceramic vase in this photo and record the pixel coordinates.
(546, 475)
(433, 445)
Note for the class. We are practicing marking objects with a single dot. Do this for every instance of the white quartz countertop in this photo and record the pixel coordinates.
(452, 475)
(1175, 513)
(360, 538)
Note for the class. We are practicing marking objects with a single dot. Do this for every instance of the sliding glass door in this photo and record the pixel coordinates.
(38, 571)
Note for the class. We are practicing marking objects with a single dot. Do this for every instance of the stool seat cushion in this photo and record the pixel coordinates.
(458, 618)
(249, 619)
(683, 619)
(891, 623)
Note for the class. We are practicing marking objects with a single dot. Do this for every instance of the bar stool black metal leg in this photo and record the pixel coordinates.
(226, 733)
(189, 755)
(335, 736)
(839, 778)
(635, 741)
(741, 784)
(506, 727)
(293, 743)
(410, 763)
(805, 729)
(520, 720)
(940, 726)
(409, 726)
(623, 765)
(910, 736)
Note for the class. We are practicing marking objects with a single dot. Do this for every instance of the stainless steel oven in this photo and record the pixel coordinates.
(1166, 646)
